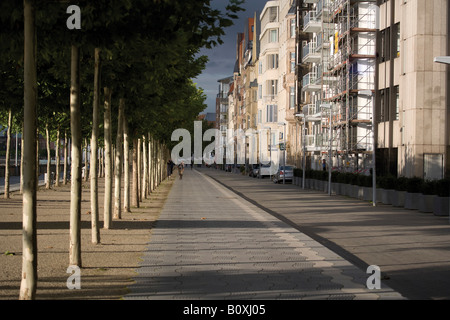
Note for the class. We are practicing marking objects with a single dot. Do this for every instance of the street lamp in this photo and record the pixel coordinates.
(374, 176)
(284, 153)
(328, 107)
(302, 115)
(270, 149)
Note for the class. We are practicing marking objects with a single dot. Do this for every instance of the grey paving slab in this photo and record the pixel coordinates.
(211, 244)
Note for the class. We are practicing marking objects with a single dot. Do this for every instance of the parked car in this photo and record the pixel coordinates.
(286, 171)
(266, 170)
(254, 170)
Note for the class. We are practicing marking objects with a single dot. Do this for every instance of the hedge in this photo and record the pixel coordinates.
(413, 185)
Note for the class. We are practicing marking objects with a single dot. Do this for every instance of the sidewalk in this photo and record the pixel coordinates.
(209, 243)
(411, 248)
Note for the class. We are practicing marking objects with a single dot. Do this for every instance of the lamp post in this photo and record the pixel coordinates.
(284, 151)
(328, 107)
(302, 115)
(374, 176)
(270, 149)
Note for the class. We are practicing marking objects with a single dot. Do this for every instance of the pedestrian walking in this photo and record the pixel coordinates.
(170, 165)
(181, 170)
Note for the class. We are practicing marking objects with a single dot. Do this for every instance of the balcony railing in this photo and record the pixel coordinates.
(310, 22)
(309, 53)
(310, 82)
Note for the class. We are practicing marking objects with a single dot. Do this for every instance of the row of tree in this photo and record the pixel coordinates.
(127, 71)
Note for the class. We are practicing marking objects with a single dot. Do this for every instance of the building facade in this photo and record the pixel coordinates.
(341, 82)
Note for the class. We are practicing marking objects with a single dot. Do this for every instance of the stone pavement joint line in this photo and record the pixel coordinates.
(211, 244)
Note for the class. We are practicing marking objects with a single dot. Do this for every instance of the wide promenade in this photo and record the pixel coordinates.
(210, 243)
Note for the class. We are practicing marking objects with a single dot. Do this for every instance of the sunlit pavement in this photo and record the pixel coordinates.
(210, 243)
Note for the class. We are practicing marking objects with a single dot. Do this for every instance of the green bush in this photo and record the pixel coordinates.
(400, 184)
(442, 188)
(386, 182)
(428, 187)
(413, 185)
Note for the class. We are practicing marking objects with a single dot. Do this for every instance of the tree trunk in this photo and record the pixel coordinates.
(49, 158)
(65, 158)
(8, 154)
(58, 163)
(135, 191)
(139, 167)
(86, 172)
(149, 189)
(95, 232)
(118, 166)
(144, 169)
(126, 160)
(75, 192)
(107, 215)
(29, 239)
(21, 162)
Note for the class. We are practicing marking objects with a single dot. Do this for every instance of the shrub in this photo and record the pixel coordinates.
(413, 185)
(386, 182)
(442, 188)
(400, 184)
(428, 187)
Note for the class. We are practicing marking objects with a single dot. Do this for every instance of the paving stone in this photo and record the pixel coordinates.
(211, 244)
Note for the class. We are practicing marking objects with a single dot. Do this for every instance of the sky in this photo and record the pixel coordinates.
(222, 58)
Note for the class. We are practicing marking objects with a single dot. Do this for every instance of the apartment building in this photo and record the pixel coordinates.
(375, 56)
(412, 91)
(338, 80)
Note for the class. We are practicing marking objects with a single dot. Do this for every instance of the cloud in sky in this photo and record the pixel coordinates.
(222, 58)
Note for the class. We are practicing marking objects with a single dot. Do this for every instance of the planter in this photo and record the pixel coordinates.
(386, 196)
(441, 206)
(412, 200)
(319, 185)
(353, 191)
(398, 198)
(360, 193)
(325, 186)
(426, 203)
(367, 193)
(334, 187)
(308, 183)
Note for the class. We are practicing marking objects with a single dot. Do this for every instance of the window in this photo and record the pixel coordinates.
(272, 87)
(385, 41)
(273, 35)
(291, 97)
(259, 91)
(292, 28)
(397, 103)
(259, 116)
(397, 44)
(272, 113)
(273, 13)
(292, 62)
(272, 61)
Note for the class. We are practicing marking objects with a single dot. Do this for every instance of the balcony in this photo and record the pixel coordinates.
(314, 142)
(312, 113)
(322, 9)
(310, 23)
(311, 82)
(311, 1)
(310, 54)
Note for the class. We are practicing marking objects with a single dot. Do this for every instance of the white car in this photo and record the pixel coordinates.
(268, 170)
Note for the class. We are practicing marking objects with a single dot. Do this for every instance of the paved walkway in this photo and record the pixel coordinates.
(210, 243)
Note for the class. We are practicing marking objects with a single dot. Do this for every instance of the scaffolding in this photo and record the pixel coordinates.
(341, 79)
